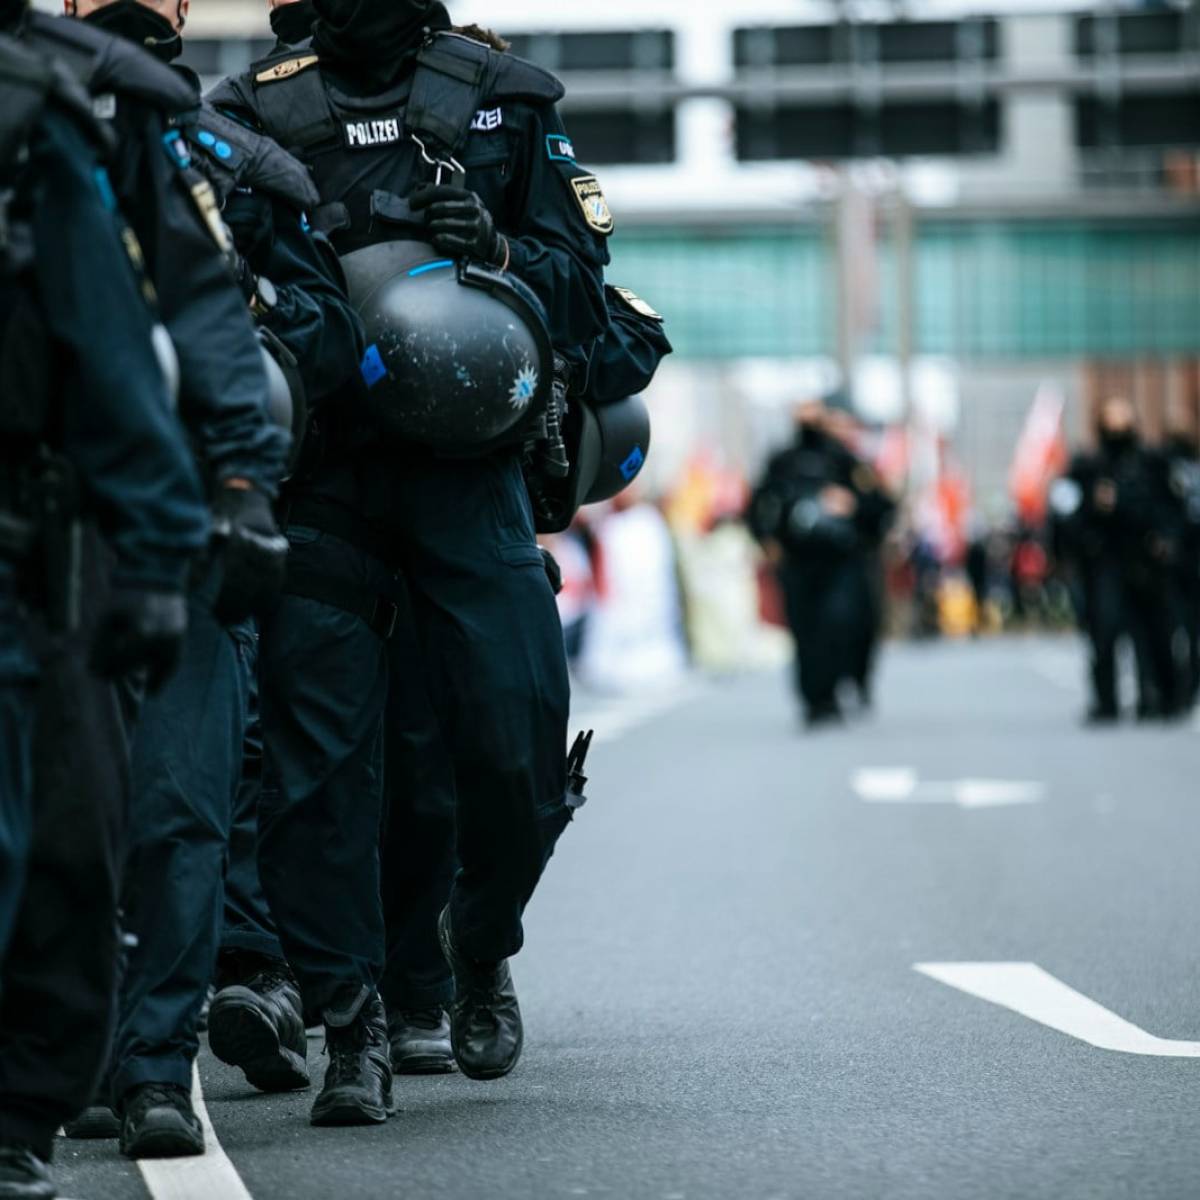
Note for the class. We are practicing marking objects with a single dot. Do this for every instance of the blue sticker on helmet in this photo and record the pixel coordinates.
(633, 464)
(372, 367)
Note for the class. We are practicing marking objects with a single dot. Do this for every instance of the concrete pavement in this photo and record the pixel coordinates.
(719, 981)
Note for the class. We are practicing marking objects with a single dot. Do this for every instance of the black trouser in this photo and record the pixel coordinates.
(820, 598)
(59, 984)
(418, 844)
(187, 756)
(1120, 600)
(492, 663)
(865, 584)
(248, 930)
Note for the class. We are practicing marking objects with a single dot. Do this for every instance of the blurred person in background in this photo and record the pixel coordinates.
(875, 514)
(634, 634)
(813, 511)
(1183, 466)
(1116, 522)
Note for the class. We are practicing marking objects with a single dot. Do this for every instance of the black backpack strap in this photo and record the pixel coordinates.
(291, 103)
(452, 77)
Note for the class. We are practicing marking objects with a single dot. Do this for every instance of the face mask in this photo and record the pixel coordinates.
(292, 23)
(1114, 439)
(137, 23)
(11, 12)
(373, 38)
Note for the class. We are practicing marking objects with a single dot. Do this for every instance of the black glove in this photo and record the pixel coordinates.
(460, 224)
(253, 554)
(140, 628)
(552, 569)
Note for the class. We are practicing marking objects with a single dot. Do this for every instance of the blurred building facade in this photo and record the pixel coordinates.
(944, 207)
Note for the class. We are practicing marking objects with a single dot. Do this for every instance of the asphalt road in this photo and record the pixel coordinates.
(719, 981)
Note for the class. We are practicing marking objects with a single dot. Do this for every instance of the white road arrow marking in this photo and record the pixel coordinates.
(901, 785)
(1025, 988)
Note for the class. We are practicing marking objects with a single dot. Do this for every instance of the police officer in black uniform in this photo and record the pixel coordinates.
(1183, 468)
(189, 749)
(377, 103)
(812, 514)
(84, 412)
(1115, 521)
(223, 405)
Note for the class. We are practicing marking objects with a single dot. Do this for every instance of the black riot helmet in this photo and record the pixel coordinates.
(614, 441)
(608, 445)
(458, 357)
(287, 403)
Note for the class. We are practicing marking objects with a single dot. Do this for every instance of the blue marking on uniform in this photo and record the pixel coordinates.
(176, 148)
(372, 367)
(633, 464)
(205, 138)
(559, 148)
(223, 150)
(104, 184)
(425, 268)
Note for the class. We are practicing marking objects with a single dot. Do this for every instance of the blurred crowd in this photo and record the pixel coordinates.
(840, 543)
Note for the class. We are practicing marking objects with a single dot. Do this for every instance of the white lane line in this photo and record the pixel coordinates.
(614, 719)
(1024, 988)
(902, 785)
(210, 1176)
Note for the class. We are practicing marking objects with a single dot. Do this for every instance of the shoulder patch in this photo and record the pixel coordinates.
(287, 68)
(176, 147)
(592, 203)
(560, 148)
(634, 302)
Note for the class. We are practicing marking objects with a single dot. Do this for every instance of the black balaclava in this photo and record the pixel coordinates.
(137, 23)
(372, 42)
(293, 23)
(1118, 441)
(11, 11)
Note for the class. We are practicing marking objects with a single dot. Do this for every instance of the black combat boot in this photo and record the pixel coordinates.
(485, 1019)
(420, 1042)
(358, 1081)
(157, 1121)
(96, 1121)
(23, 1175)
(258, 1025)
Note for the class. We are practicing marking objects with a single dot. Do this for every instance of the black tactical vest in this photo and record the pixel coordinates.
(367, 153)
(29, 84)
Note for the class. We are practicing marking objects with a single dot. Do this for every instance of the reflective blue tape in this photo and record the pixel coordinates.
(107, 195)
(223, 150)
(433, 266)
(205, 138)
(372, 367)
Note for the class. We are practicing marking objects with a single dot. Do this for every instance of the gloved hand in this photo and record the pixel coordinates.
(460, 224)
(553, 570)
(140, 628)
(253, 553)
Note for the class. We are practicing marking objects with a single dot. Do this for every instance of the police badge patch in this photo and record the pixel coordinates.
(593, 204)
